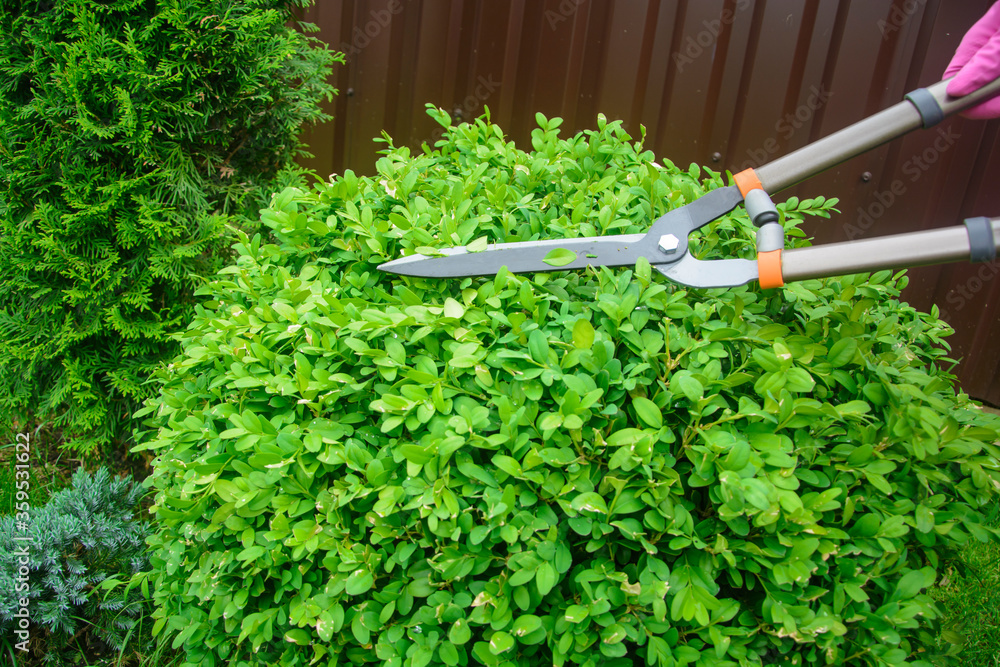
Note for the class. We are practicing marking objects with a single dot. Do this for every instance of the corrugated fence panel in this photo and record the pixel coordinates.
(725, 83)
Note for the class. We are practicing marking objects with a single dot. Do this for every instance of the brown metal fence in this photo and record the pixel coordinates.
(724, 83)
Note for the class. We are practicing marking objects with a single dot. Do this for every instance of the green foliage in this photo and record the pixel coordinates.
(83, 549)
(131, 133)
(588, 467)
(51, 468)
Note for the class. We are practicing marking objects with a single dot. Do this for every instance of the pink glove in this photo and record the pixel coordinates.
(977, 62)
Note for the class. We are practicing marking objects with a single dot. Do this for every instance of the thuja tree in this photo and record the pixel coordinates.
(593, 467)
(131, 134)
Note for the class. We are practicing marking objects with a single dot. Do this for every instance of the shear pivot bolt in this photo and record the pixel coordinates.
(669, 243)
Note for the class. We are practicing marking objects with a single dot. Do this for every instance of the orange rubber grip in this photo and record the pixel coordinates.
(769, 269)
(747, 180)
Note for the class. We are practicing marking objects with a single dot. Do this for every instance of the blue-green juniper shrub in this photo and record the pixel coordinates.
(78, 546)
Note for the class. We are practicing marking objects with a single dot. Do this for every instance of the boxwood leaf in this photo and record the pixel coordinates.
(613, 634)
(449, 654)
(526, 624)
(478, 245)
(648, 412)
(325, 626)
(546, 578)
(879, 482)
(453, 308)
(798, 380)
(756, 493)
(590, 502)
(460, 633)
(559, 257)
(538, 346)
(298, 636)
(842, 352)
(924, 519)
(689, 386)
(501, 642)
(913, 582)
(508, 464)
(416, 454)
(361, 634)
(358, 582)
(583, 334)
(853, 408)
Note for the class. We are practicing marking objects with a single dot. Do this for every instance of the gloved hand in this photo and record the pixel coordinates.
(977, 62)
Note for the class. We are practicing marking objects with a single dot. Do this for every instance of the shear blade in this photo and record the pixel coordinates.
(709, 273)
(522, 257)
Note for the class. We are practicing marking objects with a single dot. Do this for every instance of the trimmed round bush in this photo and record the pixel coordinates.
(590, 467)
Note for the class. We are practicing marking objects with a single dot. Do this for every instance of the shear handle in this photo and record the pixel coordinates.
(897, 120)
(899, 251)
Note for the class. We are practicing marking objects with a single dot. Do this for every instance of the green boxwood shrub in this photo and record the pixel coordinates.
(131, 133)
(592, 467)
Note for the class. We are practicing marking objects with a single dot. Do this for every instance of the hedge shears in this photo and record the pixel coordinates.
(666, 244)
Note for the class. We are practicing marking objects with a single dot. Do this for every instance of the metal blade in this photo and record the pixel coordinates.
(523, 257)
(705, 274)
(621, 250)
